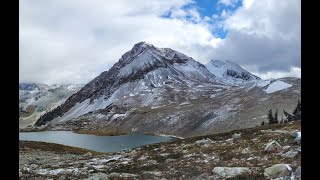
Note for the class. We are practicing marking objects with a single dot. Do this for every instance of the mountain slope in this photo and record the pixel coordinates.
(160, 90)
(36, 99)
(138, 71)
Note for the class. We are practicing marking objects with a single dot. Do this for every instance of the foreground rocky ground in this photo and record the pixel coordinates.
(267, 152)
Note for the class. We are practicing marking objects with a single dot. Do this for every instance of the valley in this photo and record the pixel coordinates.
(256, 153)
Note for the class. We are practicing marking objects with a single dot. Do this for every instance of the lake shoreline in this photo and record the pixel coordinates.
(192, 158)
(94, 142)
(99, 132)
(55, 147)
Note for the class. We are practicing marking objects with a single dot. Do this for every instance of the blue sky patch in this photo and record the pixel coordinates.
(213, 10)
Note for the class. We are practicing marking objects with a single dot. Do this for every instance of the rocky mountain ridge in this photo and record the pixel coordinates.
(163, 91)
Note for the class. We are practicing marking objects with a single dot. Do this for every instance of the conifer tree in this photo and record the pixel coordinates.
(289, 117)
(270, 117)
(275, 119)
(297, 112)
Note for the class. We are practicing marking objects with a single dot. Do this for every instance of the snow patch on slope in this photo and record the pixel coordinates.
(277, 86)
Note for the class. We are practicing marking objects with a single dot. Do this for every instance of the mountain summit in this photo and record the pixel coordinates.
(143, 68)
(161, 90)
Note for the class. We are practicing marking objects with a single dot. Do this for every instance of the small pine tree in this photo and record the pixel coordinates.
(289, 117)
(297, 112)
(270, 117)
(275, 119)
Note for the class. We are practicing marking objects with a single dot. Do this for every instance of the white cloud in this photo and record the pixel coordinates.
(264, 34)
(231, 3)
(73, 41)
(294, 72)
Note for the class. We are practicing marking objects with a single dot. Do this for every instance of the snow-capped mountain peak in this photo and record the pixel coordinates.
(228, 70)
(142, 68)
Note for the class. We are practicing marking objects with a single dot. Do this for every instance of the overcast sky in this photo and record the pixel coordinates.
(73, 41)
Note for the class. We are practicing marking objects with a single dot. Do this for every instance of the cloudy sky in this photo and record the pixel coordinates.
(73, 41)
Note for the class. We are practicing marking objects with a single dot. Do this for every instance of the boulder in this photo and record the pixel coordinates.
(204, 142)
(273, 146)
(229, 172)
(87, 154)
(236, 136)
(290, 154)
(297, 137)
(98, 176)
(286, 148)
(245, 151)
(154, 173)
(277, 171)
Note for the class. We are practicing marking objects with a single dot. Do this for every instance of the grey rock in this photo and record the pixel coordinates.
(57, 158)
(297, 173)
(297, 136)
(204, 176)
(277, 171)
(273, 146)
(236, 136)
(128, 175)
(245, 151)
(295, 133)
(228, 172)
(276, 131)
(122, 175)
(285, 148)
(170, 160)
(154, 173)
(98, 176)
(33, 166)
(290, 154)
(87, 154)
(297, 140)
(204, 142)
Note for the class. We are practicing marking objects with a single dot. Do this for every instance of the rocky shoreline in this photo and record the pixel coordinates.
(266, 152)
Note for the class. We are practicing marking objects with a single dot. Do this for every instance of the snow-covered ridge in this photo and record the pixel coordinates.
(277, 86)
(147, 76)
(230, 72)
